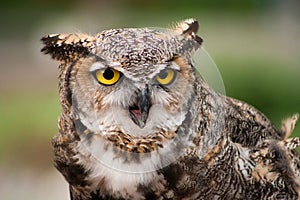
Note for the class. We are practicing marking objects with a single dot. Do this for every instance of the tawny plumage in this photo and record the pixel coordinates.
(138, 123)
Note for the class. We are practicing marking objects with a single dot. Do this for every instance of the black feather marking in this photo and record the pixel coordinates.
(193, 27)
(59, 50)
(198, 39)
(67, 82)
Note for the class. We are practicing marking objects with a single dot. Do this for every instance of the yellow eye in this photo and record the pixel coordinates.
(166, 77)
(107, 76)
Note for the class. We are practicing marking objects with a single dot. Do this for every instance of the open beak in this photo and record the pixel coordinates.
(139, 108)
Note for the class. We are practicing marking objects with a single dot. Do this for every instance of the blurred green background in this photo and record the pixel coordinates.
(255, 44)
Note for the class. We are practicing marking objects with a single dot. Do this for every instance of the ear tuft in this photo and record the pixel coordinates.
(67, 47)
(189, 28)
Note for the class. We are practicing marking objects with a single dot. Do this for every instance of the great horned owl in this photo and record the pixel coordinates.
(138, 123)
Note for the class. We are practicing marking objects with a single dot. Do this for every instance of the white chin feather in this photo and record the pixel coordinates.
(121, 176)
(115, 180)
(105, 163)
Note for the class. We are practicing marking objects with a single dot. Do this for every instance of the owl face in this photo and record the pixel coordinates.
(131, 88)
(106, 98)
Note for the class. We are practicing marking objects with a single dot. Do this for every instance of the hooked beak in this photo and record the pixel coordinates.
(139, 108)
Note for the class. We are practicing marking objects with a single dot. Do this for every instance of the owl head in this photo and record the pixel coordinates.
(131, 88)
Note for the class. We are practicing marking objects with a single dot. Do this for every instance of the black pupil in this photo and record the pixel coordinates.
(163, 74)
(108, 74)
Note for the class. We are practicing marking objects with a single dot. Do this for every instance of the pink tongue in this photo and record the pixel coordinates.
(137, 113)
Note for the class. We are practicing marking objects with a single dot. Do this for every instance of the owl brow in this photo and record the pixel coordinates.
(100, 60)
(173, 65)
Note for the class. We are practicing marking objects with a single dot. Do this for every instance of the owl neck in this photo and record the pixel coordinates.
(208, 118)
